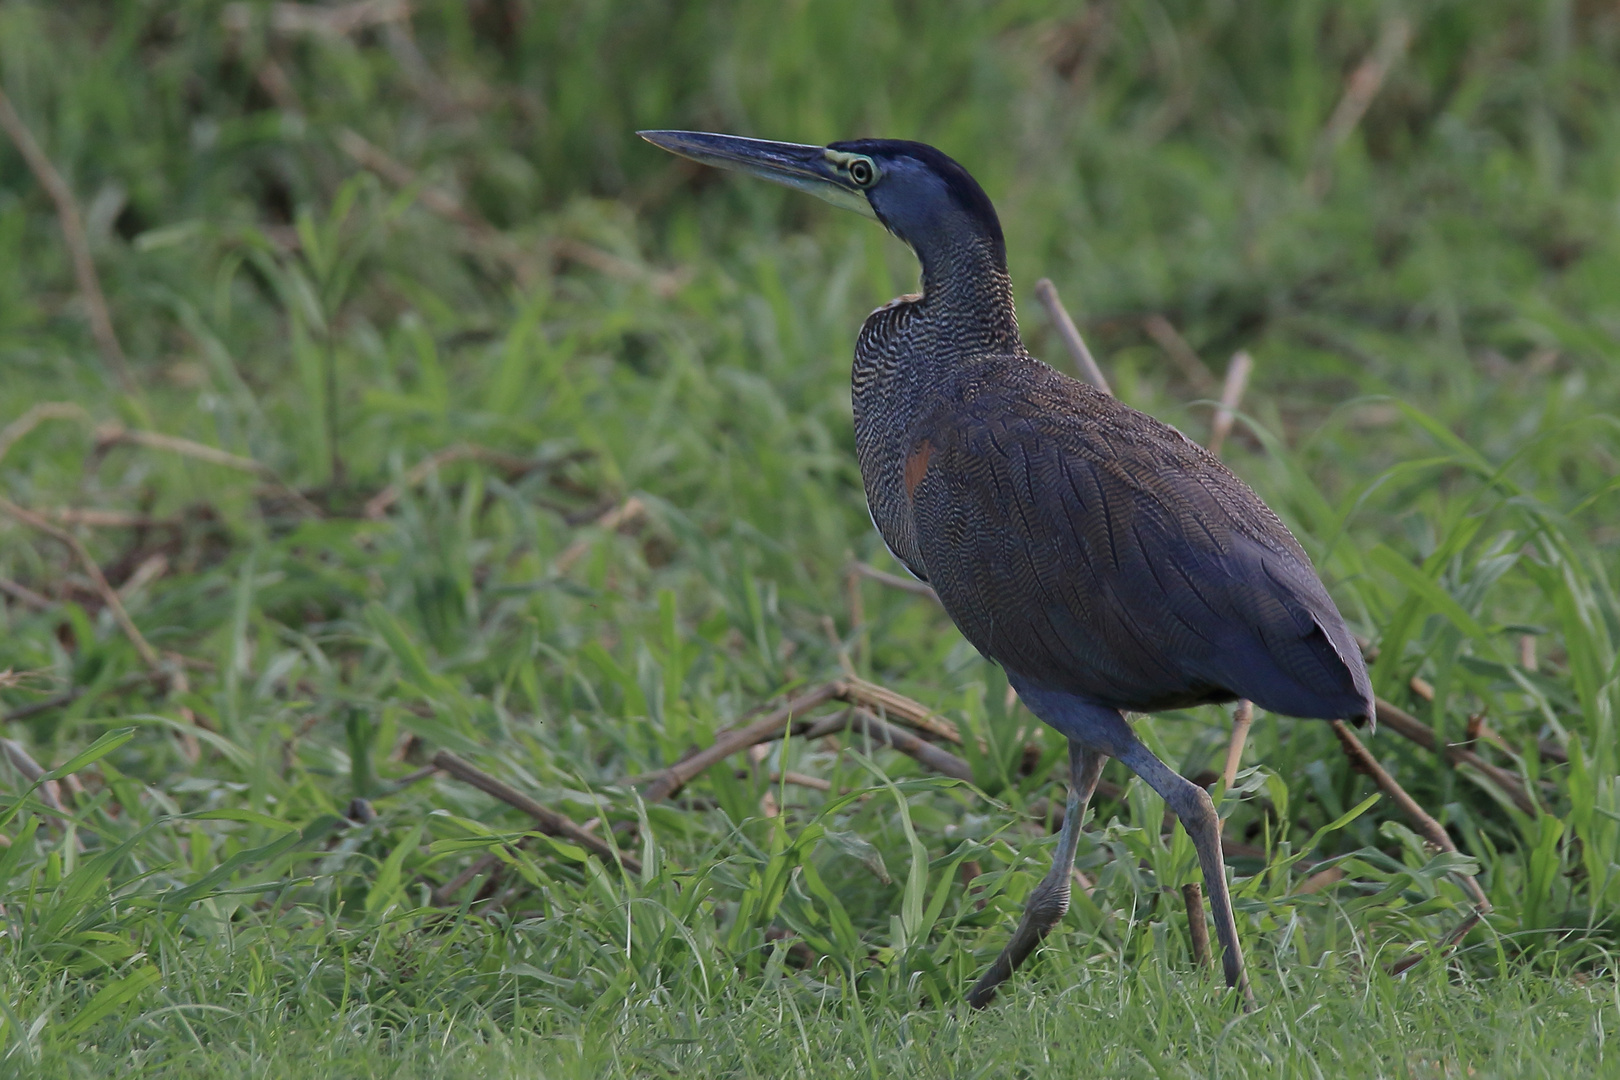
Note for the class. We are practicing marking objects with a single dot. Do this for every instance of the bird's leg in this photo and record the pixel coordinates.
(1050, 900)
(1193, 806)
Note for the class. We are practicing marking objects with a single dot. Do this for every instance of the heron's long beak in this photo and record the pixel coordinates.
(808, 168)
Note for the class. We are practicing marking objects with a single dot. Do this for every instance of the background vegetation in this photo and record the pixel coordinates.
(337, 241)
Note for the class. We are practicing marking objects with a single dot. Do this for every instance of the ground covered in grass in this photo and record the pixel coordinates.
(434, 413)
(1077, 1020)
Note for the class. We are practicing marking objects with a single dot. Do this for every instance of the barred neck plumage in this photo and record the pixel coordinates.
(907, 356)
(967, 296)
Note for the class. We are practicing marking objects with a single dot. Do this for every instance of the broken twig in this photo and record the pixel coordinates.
(25, 596)
(1359, 91)
(1321, 880)
(118, 435)
(941, 761)
(672, 779)
(36, 414)
(893, 581)
(1242, 717)
(897, 706)
(50, 792)
(1431, 830)
(1237, 380)
(1168, 338)
(1047, 294)
(626, 514)
(551, 823)
(1197, 929)
(481, 865)
(109, 595)
(512, 464)
(322, 20)
(1405, 724)
(78, 244)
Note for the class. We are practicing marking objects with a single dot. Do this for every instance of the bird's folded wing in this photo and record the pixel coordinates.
(1122, 562)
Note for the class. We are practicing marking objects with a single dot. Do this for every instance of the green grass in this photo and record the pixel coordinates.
(1437, 335)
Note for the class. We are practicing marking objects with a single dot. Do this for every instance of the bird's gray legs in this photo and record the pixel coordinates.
(1095, 733)
(1050, 900)
(1192, 805)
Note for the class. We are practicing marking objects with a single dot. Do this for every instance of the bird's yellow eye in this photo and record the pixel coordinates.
(863, 172)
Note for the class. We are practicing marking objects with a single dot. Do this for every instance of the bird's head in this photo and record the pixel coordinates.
(914, 190)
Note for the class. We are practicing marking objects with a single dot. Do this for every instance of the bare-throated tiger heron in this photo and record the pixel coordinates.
(1108, 563)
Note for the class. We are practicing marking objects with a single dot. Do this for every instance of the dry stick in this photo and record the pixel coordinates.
(1446, 944)
(148, 571)
(897, 706)
(1164, 333)
(551, 823)
(67, 697)
(50, 792)
(93, 518)
(34, 708)
(798, 779)
(1321, 880)
(828, 725)
(1363, 761)
(672, 779)
(410, 778)
(1242, 717)
(719, 733)
(331, 21)
(1197, 929)
(179, 685)
(1480, 728)
(845, 664)
(109, 595)
(1359, 91)
(893, 581)
(482, 865)
(804, 780)
(756, 757)
(36, 414)
(941, 761)
(377, 506)
(1047, 294)
(72, 224)
(665, 283)
(1527, 642)
(1432, 831)
(24, 595)
(853, 572)
(118, 435)
(626, 513)
(441, 202)
(1237, 379)
(1404, 723)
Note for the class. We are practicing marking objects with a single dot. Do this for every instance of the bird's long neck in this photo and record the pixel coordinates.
(968, 293)
(909, 351)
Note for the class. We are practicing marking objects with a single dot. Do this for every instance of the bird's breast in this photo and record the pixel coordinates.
(887, 379)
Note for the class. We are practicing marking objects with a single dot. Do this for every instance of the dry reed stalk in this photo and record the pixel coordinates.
(1084, 362)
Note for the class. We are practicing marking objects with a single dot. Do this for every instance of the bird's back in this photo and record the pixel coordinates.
(1091, 549)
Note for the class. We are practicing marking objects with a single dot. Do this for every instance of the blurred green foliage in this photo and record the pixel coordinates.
(338, 241)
